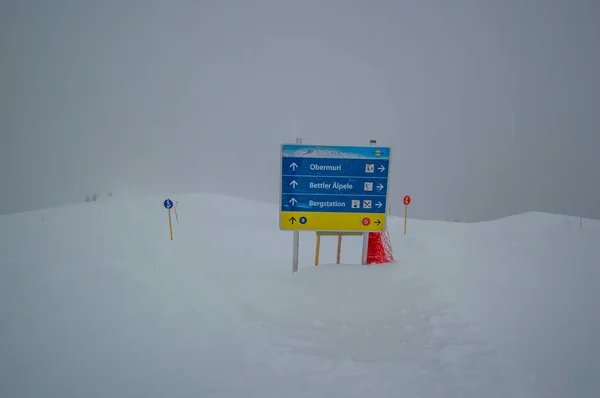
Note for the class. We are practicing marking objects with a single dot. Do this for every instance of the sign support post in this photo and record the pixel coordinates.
(339, 249)
(338, 189)
(296, 235)
(365, 244)
(339, 243)
(295, 251)
(317, 250)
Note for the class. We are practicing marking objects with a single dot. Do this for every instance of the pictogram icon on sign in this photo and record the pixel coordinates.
(366, 221)
(407, 200)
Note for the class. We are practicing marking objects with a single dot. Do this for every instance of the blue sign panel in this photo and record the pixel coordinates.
(168, 204)
(337, 203)
(319, 184)
(335, 167)
(334, 186)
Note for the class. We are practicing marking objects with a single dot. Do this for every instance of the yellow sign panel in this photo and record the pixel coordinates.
(325, 221)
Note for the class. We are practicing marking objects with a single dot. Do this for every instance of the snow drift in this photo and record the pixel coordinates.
(96, 301)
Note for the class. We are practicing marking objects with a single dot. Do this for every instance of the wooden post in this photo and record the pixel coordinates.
(170, 226)
(339, 242)
(405, 215)
(317, 250)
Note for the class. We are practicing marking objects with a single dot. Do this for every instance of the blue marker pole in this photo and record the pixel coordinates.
(168, 203)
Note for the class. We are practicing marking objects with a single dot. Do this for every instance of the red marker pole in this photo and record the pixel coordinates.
(406, 203)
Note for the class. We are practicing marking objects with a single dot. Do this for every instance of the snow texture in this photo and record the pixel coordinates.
(322, 153)
(97, 301)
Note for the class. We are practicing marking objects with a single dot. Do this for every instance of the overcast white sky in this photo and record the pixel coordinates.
(492, 107)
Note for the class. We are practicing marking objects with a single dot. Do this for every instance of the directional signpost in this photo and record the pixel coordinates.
(333, 188)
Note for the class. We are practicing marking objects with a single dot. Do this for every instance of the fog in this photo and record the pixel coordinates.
(491, 108)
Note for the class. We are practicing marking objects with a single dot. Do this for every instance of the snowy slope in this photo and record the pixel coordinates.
(96, 301)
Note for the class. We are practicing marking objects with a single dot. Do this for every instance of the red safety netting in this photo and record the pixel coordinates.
(380, 248)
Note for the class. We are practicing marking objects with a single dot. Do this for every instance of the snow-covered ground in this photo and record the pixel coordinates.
(96, 301)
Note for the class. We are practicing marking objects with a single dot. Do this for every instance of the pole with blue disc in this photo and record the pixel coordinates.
(169, 205)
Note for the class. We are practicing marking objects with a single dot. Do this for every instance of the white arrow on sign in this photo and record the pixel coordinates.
(293, 201)
(293, 166)
(381, 168)
(378, 204)
(379, 186)
(294, 184)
